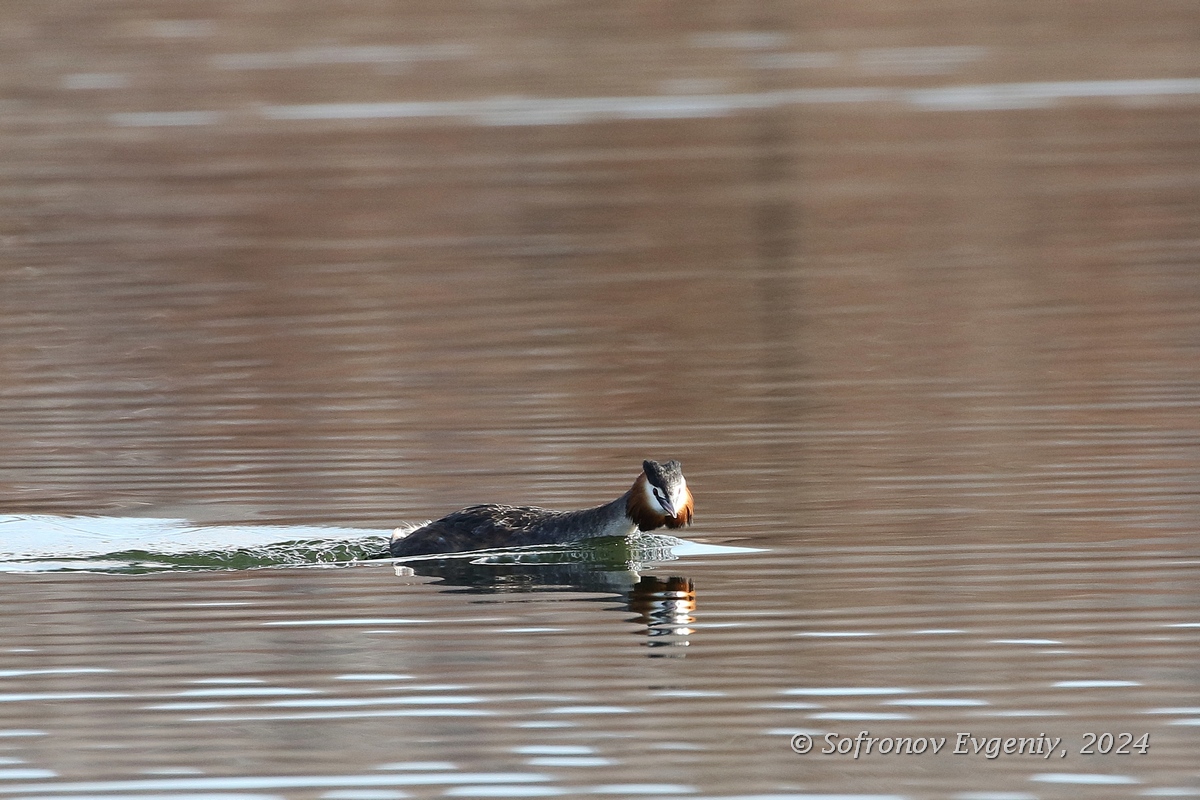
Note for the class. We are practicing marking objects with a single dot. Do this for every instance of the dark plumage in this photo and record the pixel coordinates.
(659, 497)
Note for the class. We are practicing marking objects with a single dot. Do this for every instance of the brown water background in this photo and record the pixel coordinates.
(912, 290)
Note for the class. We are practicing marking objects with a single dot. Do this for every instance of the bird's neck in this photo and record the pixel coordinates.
(629, 513)
(609, 519)
(622, 517)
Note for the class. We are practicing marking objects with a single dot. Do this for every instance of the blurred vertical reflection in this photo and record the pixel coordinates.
(666, 606)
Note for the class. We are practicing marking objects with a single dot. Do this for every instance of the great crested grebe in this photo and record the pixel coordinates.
(659, 497)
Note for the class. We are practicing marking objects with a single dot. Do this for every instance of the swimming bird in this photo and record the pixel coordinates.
(659, 497)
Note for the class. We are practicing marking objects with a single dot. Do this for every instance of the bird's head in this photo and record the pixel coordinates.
(660, 496)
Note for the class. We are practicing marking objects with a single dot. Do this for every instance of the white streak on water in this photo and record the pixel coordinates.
(933, 702)
(20, 673)
(347, 702)
(243, 691)
(294, 623)
(341, 714)
(635, 789)
(501, 111)
(570, 761)
(241, 783)
(26, 774)
(998, 96)
(848, 691)
(1101, 684)
(504, 111)
(1085, 779)
(859, 716)
(42, 697)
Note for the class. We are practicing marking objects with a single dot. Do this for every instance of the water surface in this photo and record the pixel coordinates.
(913, 294)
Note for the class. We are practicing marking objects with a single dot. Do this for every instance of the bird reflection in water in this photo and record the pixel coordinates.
(665, 606)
